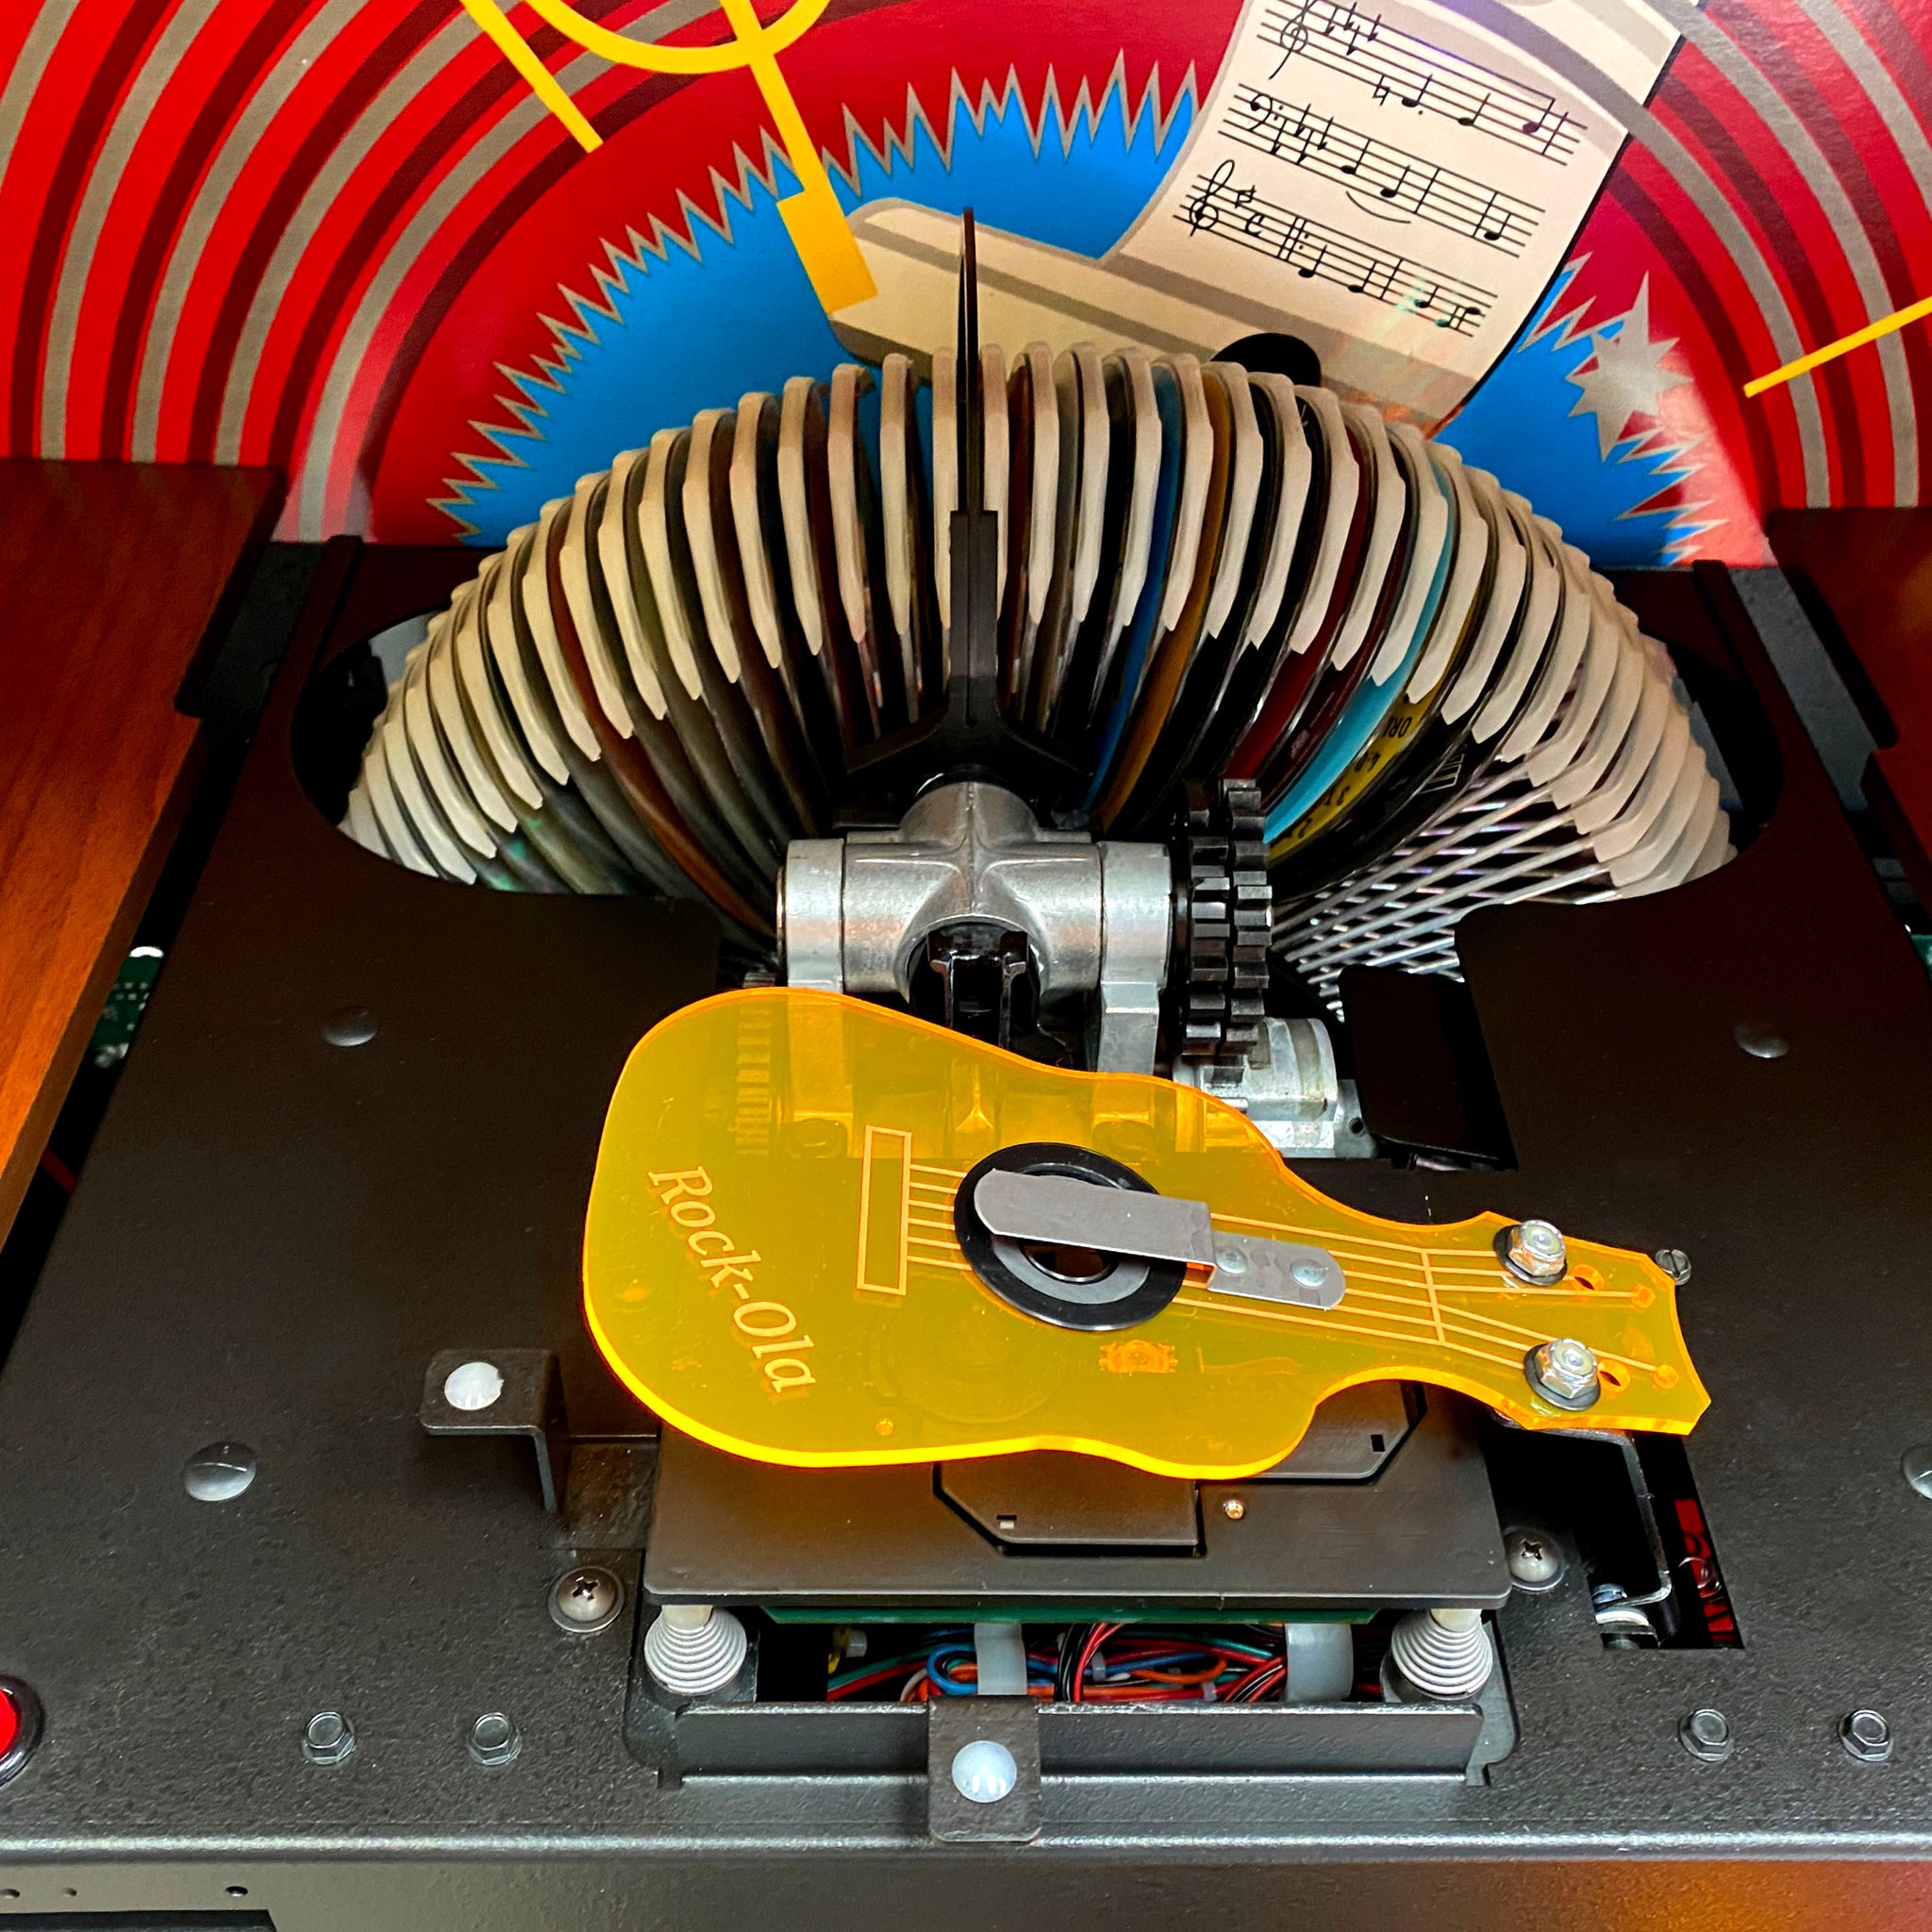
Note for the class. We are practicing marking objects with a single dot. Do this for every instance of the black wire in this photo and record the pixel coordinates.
(1073, 1640)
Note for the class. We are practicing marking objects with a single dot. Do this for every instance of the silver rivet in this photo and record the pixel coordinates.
(984, 1771)
(220, 1472)
(1675, 1262)
(586, 1601)
(1536, 1564)
(349, 1026)
(1760, 1042)
(493, 1739)
(1706, 1735)
(1866, 1736)
(1917, 1465)
(1233, 1508)
(1564, 1371)
(1309, 1273)
(328, 1737)
(473, 1386)
(1230, 1261)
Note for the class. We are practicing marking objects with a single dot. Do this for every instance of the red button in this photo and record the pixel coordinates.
(10, 1722)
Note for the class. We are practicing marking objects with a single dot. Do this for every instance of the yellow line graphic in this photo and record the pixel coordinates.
(1885, 325)
(543, 83)
(812, 217)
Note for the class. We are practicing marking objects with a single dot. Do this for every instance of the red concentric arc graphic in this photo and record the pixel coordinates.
(231, 227)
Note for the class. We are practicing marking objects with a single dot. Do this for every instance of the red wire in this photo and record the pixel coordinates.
(904, 1667)
(1252, 1687)
(1100, 1631)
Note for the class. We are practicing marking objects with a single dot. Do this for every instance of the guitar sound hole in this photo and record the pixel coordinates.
(1067, 1263)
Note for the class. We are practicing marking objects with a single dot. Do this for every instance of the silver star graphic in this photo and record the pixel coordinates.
(1625, 377)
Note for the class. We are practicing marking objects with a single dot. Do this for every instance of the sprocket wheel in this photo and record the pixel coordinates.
(1222, 915)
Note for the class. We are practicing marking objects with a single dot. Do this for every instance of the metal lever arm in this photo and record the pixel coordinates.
(1054, 1211)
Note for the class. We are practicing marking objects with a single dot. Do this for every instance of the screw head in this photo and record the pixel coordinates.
(1760, 1042)
(1233, 1508)
(1309, 1273)
(1534, 1251)
(328, 1737)
(1230, 1261)
(1866, 1736)
(984, 1771)
(349, 1026)
(219, 1472)
(586, 1600)
(1536, 1564)
(1564, 1371)
(1706, 1735)
(493, 1739)
(473, 1386)
(1675, 1262)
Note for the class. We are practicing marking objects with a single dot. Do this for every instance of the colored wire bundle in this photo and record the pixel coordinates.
(1092, 1663)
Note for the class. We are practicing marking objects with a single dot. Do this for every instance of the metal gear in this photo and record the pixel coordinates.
(1223, 914)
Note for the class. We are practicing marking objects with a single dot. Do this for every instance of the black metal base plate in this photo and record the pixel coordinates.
(273, 1236)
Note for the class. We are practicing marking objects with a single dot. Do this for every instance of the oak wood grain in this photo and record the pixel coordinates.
(112, 576)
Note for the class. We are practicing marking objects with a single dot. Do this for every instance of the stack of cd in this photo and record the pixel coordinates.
(1203, 573)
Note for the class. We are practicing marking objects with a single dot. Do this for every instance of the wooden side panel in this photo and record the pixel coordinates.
(111, 575)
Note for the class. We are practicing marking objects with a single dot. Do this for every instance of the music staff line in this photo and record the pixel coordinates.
(1397, 66)
(1315, 251)
(1379, 174)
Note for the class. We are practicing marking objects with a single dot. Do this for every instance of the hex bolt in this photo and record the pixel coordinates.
(493, 1739)
(1534, 1251)
(349, 1026)
(1675, 1262)
(1233, 1508)
(1866, 1736)
(219, 1472)
(1563, 1371)
(1760, 1042)
(1706, 1735)
(1536, 1564)
(586, 1600)
(328, 1737)
(1917, 1465)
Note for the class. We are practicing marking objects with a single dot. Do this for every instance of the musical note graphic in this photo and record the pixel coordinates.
(1400, 183)
(1398, 66)
(1234, 211)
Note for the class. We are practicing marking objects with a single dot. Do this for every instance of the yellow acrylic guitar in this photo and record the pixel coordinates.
(823, 1234)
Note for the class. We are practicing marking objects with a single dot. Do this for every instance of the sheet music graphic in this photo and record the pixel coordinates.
(1382, 179)
(1223, 206)
(1430, 79)
(1390, 181)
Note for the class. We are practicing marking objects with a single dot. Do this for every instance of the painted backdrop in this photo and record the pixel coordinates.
(348, 237)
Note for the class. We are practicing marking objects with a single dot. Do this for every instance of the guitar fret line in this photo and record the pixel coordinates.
(1510, 1329)
(1331, 1326)
(1576, 1297)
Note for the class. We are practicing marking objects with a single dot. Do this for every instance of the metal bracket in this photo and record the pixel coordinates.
(953, 1724)
(528, 1400)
